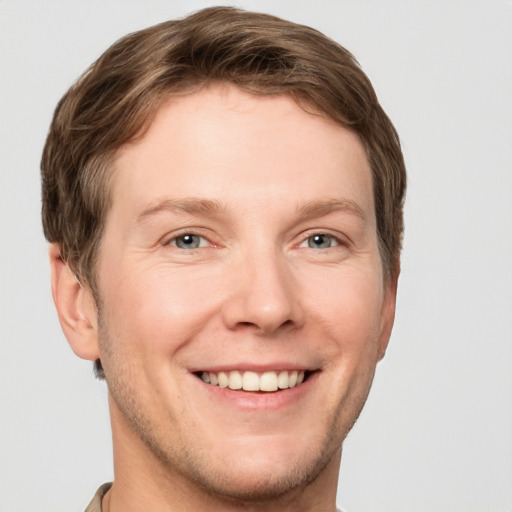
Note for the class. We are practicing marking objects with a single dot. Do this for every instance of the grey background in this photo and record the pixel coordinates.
(436, 434)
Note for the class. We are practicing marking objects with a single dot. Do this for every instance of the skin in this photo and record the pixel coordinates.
(255, 178)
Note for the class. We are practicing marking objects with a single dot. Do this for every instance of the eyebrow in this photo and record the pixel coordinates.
(321, 208)
(185, 205)
(215, 208)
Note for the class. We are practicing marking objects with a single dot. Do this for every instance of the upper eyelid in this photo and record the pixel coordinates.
(170, 237)
(337, 240)
(175, 237)
(339, 237)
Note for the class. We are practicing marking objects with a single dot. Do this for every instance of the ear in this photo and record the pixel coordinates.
(387, 317)
(76, 307)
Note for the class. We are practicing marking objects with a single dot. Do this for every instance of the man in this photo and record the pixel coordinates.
(223, 196)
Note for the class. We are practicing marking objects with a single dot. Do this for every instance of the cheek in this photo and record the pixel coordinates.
(158, 307)
(348, 293)
(348, 307)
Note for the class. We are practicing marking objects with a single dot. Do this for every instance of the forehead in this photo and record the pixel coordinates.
(225, 143)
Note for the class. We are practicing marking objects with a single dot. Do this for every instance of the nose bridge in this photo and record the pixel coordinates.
(263, 293)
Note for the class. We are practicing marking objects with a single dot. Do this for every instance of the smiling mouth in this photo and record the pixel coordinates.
(266, 382)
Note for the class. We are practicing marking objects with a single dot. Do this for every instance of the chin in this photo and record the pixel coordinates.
(259, 483)
(262, 471)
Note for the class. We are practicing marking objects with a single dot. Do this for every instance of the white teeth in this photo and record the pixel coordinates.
(223, 380)
(252, 381)
(268, 381)
(235, 380)
(283, 382)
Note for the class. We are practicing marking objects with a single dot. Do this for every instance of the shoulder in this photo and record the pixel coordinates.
(95, 505)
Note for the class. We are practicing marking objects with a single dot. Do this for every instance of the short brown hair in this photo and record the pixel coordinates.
(116, 99)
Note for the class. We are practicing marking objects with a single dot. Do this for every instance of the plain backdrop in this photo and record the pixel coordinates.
(436, 433)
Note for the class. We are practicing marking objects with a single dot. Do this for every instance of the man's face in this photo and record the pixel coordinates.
(241, 245)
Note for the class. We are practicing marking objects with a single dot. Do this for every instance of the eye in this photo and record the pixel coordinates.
(320, 241)
(189, 241)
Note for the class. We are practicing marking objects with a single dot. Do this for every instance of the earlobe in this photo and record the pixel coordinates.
(76, 307)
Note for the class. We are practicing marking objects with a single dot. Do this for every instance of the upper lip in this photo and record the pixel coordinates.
(253, 367)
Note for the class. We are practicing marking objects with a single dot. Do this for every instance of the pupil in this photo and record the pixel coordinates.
(319, 241)
(188, 242)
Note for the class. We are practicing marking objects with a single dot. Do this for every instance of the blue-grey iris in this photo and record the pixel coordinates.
(188, 241)
(320, 241)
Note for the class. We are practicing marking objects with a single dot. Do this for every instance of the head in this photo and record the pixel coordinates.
(238, 69)
(116, 99)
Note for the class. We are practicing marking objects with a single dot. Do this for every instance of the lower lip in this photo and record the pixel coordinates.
(250, 400)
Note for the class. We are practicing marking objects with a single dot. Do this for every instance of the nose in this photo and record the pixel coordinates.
(263, 295)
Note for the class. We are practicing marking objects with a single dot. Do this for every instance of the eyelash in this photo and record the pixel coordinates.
(173, 241)
(335, 240)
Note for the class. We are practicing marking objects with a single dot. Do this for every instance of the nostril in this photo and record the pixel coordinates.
(267, 330)
(247, 324)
